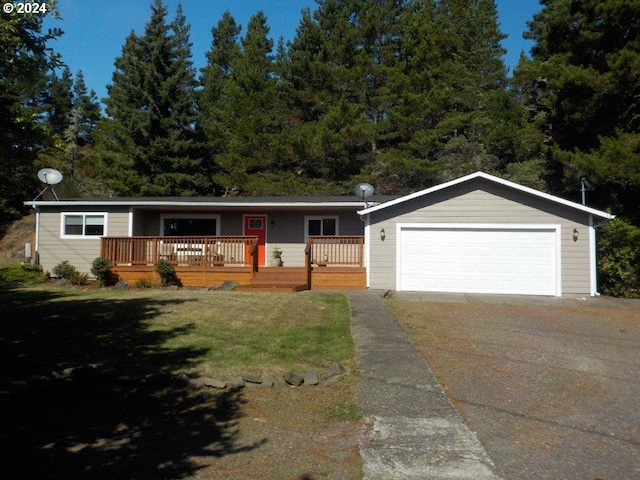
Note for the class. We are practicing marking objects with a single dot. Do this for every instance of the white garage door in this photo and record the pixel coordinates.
(479, 259)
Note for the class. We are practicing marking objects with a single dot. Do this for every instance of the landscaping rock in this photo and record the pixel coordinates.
(311, 378)
(335, 369)
(122, 285)
(268, 382)
(252, 379)
(293, 379)
(236, 382)
(333, 380)
(215, 383)
(228, 285)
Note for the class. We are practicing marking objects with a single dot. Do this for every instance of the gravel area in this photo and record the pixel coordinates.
(550, 388)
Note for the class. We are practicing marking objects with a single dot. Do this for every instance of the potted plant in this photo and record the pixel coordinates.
(276, 257)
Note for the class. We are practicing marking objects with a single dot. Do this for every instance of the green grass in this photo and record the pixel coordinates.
(186, 331)
(84, 394)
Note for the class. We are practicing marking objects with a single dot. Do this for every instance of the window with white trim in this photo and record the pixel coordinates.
(320, 226)
(83, 225)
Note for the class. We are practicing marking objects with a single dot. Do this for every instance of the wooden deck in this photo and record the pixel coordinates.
(331, 262)
(267, 279)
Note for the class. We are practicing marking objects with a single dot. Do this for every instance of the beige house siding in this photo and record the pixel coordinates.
(285, 230)
(481, 201)
(53, 249)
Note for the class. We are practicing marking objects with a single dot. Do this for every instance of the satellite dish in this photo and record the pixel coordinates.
(363, 190)
(50, 176)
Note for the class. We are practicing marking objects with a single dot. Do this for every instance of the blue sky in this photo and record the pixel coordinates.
(95, 30)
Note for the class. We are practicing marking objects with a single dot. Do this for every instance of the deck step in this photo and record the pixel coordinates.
(281, 287)
(277, 279)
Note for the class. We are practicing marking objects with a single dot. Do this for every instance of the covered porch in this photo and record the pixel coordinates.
(330, 262)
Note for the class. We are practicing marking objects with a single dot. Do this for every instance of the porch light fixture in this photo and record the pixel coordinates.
(383, 235)
(575, 234)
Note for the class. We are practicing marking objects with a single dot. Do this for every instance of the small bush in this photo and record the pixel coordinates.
(78, 278)
(64, 270)
(619, 259)
(22, 273)
(167, 273)
(101, 269)
(144, 283)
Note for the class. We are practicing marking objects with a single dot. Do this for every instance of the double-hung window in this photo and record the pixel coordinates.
(83, 225)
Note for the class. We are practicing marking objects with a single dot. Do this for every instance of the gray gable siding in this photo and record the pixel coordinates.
(480, 201)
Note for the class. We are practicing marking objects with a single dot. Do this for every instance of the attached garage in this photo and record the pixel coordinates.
(476, 258)
(482, 234)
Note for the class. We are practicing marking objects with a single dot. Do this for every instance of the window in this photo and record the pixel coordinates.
(184, 225)
(83, 225)
(320, 226)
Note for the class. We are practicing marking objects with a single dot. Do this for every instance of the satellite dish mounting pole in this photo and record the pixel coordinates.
(584, 186)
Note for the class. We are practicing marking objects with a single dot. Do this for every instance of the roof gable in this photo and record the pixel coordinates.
(491, 178)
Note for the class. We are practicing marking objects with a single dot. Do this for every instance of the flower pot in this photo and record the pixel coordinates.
(276, 262)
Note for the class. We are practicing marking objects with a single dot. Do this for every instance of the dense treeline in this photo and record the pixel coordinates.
(400, 93)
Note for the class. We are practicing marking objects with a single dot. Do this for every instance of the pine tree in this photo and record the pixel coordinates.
(149, 142)
(59, 101)
(224, 50)
(332, 138)
(249, 117)
(25, 60)
(583, 89)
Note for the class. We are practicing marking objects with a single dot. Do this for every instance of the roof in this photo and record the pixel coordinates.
(493, 179)
(261, 202)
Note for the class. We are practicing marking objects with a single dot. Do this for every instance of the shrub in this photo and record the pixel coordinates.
(64, 270)
(144, 283)
(21, 273)
(619, 252)
(167, 273)
(101, 269)
(78, 278)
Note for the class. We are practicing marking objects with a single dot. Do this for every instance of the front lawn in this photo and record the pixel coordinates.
(92, 387)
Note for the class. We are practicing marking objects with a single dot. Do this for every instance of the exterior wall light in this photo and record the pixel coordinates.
(383, 235)
(575, 234)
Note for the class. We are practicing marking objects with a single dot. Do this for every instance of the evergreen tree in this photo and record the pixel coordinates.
(249, 115)
(59, 101)
(87, 110)
(332, 138)
(25, 60)
(224, 50)
(149, 144)
(582, 86)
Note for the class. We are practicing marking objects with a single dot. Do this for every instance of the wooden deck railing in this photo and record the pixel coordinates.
(191, 251)
(336, 250)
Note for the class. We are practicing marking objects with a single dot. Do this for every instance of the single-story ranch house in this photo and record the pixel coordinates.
(478, 233)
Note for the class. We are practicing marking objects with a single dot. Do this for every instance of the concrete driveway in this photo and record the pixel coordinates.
(550, 386)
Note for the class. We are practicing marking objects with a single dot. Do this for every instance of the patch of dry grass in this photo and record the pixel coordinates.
(18, 233)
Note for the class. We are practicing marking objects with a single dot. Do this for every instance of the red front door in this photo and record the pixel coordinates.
(257, 225)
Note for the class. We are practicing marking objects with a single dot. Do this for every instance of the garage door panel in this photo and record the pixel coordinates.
(480, 260)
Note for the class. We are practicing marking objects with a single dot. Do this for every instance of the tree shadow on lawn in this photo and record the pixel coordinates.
(86, 391)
